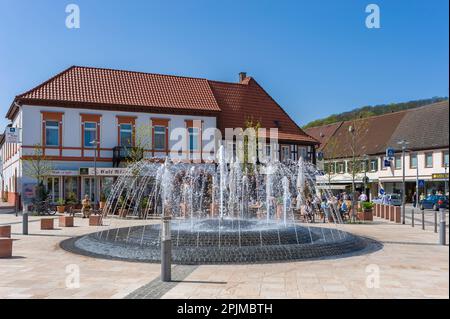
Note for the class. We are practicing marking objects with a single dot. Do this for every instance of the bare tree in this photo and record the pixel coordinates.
(142, 142)
(37, 165)
(357, 130)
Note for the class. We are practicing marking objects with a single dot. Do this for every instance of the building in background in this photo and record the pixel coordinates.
(85, 115)
(425, 129)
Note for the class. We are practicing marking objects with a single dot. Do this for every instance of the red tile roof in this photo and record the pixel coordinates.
(233, 103)
(125, 88)
(248, 101)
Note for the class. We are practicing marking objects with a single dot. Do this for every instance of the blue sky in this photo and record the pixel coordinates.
(314, 57)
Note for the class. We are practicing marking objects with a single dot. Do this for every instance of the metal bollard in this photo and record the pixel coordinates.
(25, 221)
(412, 217)
(166, 251)
(423, 219)
(442, 239)
(435, 222)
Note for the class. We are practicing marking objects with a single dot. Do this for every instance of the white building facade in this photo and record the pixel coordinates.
(73, 136)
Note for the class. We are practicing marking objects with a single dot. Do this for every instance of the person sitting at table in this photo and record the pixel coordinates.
(86, 206)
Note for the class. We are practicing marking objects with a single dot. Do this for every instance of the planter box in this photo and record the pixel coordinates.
(397, 215)
(5, 231)
(47, 223)
(5, 247)
(366, 216)
(392, 213)
(95, 220)
(66, 221)
(61, 209)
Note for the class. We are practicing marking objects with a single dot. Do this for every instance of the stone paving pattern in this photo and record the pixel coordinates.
(411, 264)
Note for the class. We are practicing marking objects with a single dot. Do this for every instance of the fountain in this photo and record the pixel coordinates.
(221, 213)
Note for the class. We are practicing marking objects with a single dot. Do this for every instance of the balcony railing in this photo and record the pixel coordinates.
(123, 153)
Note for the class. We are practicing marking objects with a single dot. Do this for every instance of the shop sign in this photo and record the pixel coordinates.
(61, 172)
(439, 176)
(116, 171)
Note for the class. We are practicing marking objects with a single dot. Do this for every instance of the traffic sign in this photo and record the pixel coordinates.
(12, 135)
(421, 183)
(390, 152)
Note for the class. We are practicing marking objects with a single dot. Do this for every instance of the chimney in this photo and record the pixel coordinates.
(242, 76)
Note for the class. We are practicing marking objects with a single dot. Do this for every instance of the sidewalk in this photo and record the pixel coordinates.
(411, 265)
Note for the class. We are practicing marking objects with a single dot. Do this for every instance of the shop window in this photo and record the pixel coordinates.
(71, 188)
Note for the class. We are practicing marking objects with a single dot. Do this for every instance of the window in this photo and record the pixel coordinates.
(193, 139)
(160, 138)
(51, 133)
(285, 153)
(429, 160)
(413, 160)
(398, 162)
(267, 150)
(329, 168)
(90, 134)
(445, 158)
(126, 135)
(374, 165)
(53, 188)
(365, 165)
(341, 167)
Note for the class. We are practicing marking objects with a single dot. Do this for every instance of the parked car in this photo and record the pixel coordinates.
(434, 202)
(390, 199)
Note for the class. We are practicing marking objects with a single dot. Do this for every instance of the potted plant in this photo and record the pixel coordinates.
(366, 211)
(102, 200)
(61, 206)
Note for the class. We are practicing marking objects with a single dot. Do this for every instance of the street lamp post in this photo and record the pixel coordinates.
(403, 144)
(366, 162)
(417, 181)
(445, 179)
(95, 143)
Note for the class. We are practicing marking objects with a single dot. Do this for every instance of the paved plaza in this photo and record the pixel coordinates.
(410, 264)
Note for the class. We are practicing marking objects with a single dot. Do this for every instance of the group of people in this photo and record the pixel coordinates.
(327, 208)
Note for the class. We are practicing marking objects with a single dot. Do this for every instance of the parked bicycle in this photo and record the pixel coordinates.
(45, 207)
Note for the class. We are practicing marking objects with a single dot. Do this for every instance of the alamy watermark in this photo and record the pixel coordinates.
(373, 20)
(373, 277)
(73, 276)
(73, 17)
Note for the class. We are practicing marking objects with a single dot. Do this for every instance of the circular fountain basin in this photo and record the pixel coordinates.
(221, 242)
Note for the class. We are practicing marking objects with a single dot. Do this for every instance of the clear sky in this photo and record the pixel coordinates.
(314, 57)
